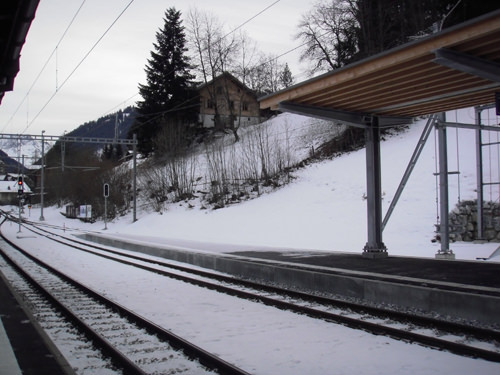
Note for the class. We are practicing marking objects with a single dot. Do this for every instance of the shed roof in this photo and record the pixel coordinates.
(456, 68)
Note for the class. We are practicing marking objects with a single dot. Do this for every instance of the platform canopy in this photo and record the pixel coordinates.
(455, 68)
(15, 20)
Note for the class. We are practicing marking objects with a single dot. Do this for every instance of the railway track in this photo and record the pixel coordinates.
(457, 338)
(133, 344)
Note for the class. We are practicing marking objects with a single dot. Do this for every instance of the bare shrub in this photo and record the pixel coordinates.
(154, 184)
(217, 169)
(240, 168)
(181, 174)
(171, 180)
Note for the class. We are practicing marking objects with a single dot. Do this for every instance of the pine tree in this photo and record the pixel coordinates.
(286, 78)
(168, 95)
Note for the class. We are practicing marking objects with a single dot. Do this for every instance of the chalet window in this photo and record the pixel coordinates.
(244, 106)
(231, 104)
(219, 90)
(210, 103)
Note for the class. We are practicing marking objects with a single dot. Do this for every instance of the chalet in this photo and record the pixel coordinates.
(9, 189)
(225, 102)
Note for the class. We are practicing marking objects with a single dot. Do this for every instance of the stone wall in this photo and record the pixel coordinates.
(463, 222)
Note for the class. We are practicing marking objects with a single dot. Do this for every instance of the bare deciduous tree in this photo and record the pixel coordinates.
(215, 52)
(328, 31)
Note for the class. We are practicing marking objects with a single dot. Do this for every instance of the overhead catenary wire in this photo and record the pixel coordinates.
(119, 105)
(79, 64)
(257, 66)
(250, 19)
(181, 105)
(60, 86)
(54, 51)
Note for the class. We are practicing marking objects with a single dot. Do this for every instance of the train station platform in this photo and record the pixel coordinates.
(24, 348)
(467, 290)
(482, 276)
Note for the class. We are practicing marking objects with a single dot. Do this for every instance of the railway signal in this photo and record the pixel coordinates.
(20, 186)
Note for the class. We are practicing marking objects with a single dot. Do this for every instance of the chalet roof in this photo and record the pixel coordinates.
(456, 68)
(228, 76)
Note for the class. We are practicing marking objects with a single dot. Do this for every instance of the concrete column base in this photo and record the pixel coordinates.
(445, 256)
(375, 254)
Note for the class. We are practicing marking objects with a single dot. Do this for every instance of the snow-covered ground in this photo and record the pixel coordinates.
(323, 210)
(258, 338)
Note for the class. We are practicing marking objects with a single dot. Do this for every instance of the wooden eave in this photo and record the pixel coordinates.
(409, 81)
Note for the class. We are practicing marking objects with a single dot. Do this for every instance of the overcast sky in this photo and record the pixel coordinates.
(107, 79)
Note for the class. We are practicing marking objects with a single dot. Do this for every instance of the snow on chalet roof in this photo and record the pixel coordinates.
(11, 186)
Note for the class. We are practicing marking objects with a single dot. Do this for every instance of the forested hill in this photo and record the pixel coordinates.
(104, 127)
(10, 165)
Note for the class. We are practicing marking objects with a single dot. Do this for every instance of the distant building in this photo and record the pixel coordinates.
(9, 189)
(225, 102)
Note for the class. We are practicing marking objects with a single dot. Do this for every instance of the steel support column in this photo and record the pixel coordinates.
(375, 247)
(444, 252)
(479, 174)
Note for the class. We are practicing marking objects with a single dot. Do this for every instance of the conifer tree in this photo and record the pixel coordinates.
(286, 78)
(168, 95)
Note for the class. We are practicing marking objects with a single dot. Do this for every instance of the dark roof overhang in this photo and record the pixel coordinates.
(15, 20)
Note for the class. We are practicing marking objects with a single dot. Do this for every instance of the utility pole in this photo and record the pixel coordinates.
(65, 138)
(20, 192)
(135, 177)
(43, 178)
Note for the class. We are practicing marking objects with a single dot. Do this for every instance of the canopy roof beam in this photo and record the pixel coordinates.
(467, 63)
(355, 119)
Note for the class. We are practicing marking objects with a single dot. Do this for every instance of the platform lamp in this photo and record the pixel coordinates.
(43, 178)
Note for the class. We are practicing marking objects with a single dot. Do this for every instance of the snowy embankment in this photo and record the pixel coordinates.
(324, 208)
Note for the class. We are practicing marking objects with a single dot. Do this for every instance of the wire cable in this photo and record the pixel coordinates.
(78, 65)
(249, 20)
(181, 106)
(45, 65)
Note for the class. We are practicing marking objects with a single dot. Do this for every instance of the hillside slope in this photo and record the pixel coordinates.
(324, 209)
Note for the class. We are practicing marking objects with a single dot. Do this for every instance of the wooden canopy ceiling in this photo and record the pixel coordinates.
(456, 68)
